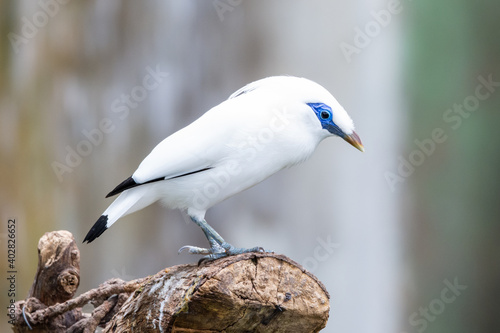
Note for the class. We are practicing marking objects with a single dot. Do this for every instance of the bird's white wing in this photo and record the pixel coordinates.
(198, 146)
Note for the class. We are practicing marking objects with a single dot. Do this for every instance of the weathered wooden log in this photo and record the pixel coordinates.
(252, 292)
(56, 280)
(107, 298)
(58, 274)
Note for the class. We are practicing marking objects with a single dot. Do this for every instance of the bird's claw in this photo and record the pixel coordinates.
(231, 250)
(219, 251)
(194, 250)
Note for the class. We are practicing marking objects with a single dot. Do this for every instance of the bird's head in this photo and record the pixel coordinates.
(337, 122)
(316, 107)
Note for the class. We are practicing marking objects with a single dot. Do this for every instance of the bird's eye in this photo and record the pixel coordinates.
(325, 115)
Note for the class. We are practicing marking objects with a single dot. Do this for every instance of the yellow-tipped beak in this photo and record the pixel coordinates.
(355, 141)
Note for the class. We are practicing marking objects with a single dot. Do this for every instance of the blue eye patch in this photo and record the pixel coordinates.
(324, 114)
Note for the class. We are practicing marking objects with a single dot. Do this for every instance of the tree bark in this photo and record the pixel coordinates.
(56, 280)
(251, 292)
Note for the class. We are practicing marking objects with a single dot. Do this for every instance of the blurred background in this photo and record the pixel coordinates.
(404, 236)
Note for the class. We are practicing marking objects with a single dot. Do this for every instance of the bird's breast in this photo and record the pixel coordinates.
(243, 167)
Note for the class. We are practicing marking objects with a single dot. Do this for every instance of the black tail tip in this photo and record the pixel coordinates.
(97, 230)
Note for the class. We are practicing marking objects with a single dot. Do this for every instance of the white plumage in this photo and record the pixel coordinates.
(266, 126)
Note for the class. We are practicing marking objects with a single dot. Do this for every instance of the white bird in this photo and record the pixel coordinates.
(266, 126)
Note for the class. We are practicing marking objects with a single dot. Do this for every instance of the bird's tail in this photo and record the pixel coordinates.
(127, 202)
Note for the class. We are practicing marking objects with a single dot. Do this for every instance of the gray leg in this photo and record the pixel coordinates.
(218, 246)
(209, 232)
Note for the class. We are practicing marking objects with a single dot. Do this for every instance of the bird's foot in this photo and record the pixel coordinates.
(218, 251)
(231, 250)
(219, 248)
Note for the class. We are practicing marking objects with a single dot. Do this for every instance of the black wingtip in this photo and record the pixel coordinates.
(97, 229)
(124, 185)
